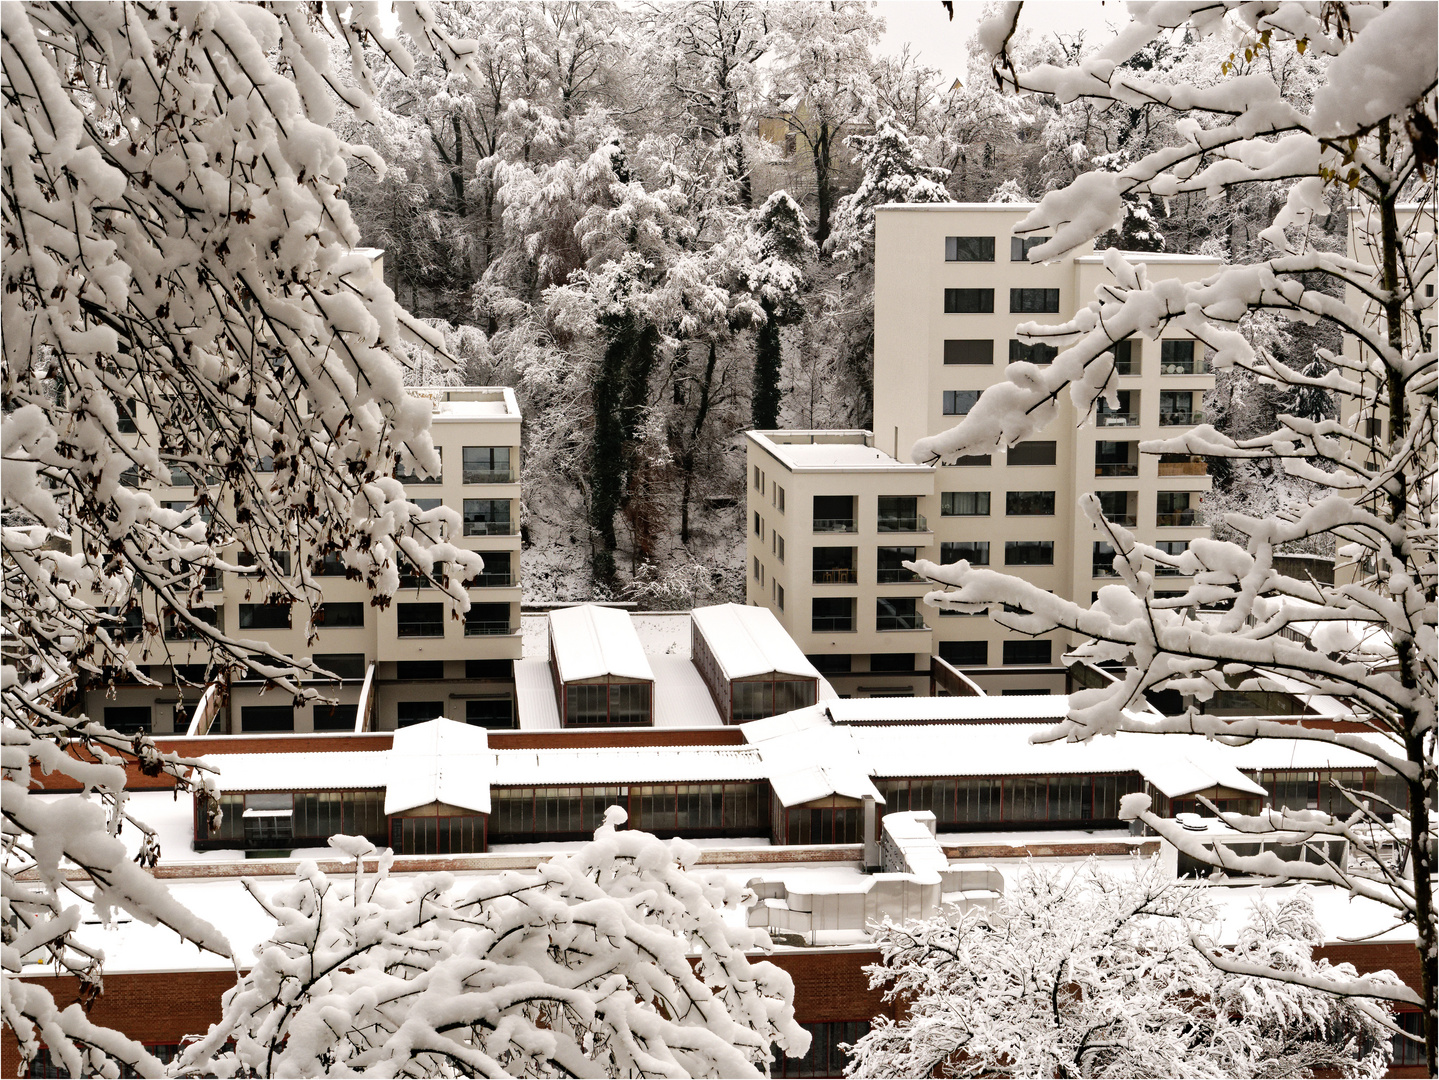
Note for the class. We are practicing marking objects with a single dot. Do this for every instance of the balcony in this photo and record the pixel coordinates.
(914, 523)
(836, 576)
(1116, 468)
(491, 528)
(1185, 367)
(1116, 419)
(1183, 468)
(893, 574)
(1177, 519)
(1104, 569)
(831, 623)
(1127, 368)
(1160, 570)
(1127, 521)
(487, 629)
(900, 621)
(489, 476)
(1181, 419)
(482, 580)
(834, 525)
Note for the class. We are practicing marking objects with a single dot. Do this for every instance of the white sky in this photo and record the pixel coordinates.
(925, 26)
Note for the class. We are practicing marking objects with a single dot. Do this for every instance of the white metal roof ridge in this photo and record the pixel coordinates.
(748, 641)
(589, 641)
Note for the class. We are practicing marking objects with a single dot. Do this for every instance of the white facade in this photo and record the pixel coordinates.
(949, 292)
(403, 663)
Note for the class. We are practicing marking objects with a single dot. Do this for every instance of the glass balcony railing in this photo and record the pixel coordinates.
(1105, 569)
(1185, 367)
(1181, 419)
(1128, 521)
(479, 629)
(822, 623)
(915, 523)
(1176, 518)
(1127, 367)
(838, 576)
(889, 575)
(489, 476)
(1183, 468)
(1116, 468)
(900, 622)
(829, 525)
(490, 581)
(491, 528)
(1117, 419)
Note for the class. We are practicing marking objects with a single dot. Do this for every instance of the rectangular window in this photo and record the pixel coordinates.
(412, 578)
(1029, 503)
(834, 513)
(973, 460)
(779, 547)
(968, 301)
(1034, 301)
(1176, 358)
(333, 615)
(965, 653)
(974, 552)
(779, 498)
(830, 663)
(758, 573)
(328, 565)
(959, 402)
(406, 477)
(335, 717)
(487, 619)
(177, 628)
(128, 719)
(490, 669)
(1029, 553)
(420, 620)
(267, 718)
(1126, 357)
(964, 504)
(758, 525)
(890, 566)
(125, 417)
(832, 613)
(891, 662)
(1170, 547)
(487, 517)
(343, 665)
(1027, 652)
(1036, 353)
(969, 351)
(1021, 246)
(1035, 452)
(833, 565)
(264, 616)
(486, 465)
(418, 712)
(419, 670)
(496, 573)
(756, 478)
(779, 597)
(899, 513)
(490, 712)
(897, 613)
(1173, 509)
(969, 249)
(1103, 560)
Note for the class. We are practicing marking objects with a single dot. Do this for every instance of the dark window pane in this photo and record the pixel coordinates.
(267, 718)
(264, 616)
(419, 670)
(1032, 301)
(345, 665)
(484, 619)
(1036, 353)
(128, 719)
(969, 351)
(1038, 452)
(332, 615)
(965, 653)
(968, 301)
(1029, 503)
(1029, 552)
(489, 669)
(964, 503)
(1021, 246)
(975, 552)
(491, 712)
(420, 620)
(830, 663)
(1027, 652)
(969, 249)
(335, 717)
(959, 402)
(417, 712)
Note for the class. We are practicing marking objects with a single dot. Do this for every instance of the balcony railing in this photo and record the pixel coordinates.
(821, 623)
(1105, 569)
(1181, 419)
(900, 622)
(1178, 518)
(420, 628)
(1160, 570)
(1183, 468)
(478, 629)
(837, 576)
(829, 525)
(903, 524)
(890, 575)
(1117, 419)
(491, 528)
(1128, 521)
(1185, 367)
(489, 476)
(1116, 468)
(490, 581)
(1127, 367)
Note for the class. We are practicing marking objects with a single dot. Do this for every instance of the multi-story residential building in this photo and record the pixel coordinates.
(951, 285)
(399, 664)
(831, 521)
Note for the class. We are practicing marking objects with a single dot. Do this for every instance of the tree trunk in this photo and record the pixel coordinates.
(819, 151)
(764, 403)
(687, 459)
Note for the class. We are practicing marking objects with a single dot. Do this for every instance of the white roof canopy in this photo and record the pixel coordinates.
(748, 641)
(439, 761)
(590, 642)
(808, 758)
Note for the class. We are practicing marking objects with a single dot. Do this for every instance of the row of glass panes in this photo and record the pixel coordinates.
(315, 815)
(991, 799)
(428, 620)
(1027, 652)
(607, 703)
(756, 700)
(824, 825)
(835, 614)
(520, 813)
(1176, 407)
(450, 834)
(981, 301)
(478, 465)
(1176, 356)
(1104, 554)
(981, 248)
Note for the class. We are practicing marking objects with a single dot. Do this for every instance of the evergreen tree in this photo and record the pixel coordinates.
(782, 252)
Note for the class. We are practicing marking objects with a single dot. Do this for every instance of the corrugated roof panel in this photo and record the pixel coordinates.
(748, 641)
(590, 642)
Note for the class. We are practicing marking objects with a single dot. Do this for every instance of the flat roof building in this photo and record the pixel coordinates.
(600, 671)
(751, 665)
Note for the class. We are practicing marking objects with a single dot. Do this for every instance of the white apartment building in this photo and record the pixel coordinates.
(831, 521)
(951, 285)
(401, 664)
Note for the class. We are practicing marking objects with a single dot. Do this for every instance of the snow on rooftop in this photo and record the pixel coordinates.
(748, 641)
(469, 402)
(625, 765)
(439, 761)
(337, 769)
(682, 700)
(807, 758)
(590, 642)
(535, 696)
(953, 709)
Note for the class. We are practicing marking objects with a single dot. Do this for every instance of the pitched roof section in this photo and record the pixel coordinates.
(748, 641)
(590, 642)
(439, 761)
(808, 758)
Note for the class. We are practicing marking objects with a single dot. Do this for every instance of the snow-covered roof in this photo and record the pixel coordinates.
(1155, 257)
(590, 642)
(747, 641)
(931, 710)
(439, 761)
(682, 700)
(337, 770)
(469, 402)
(535, 696)
(1194, 767)
(625, 765)
(808, 758)
(1011, 208)
(836, 451)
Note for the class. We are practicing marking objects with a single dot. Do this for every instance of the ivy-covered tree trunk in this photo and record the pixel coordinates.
(764, 404)
(820, 152)
(619, 397)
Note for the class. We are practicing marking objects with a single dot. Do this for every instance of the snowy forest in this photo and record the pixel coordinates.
(654, 221)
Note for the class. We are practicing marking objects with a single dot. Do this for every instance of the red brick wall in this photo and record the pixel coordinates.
(831, 985)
